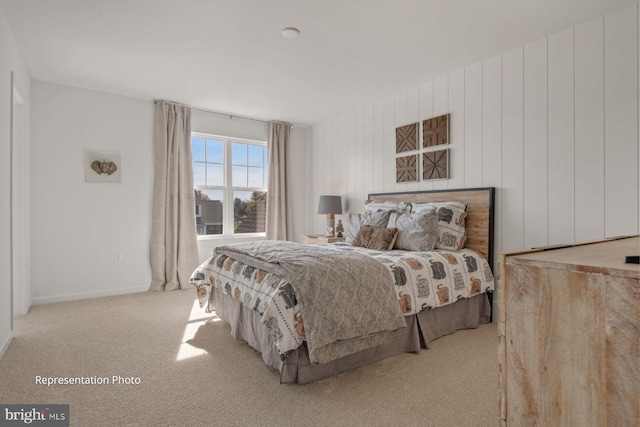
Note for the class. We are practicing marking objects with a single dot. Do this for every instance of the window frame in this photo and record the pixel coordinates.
(228, 231)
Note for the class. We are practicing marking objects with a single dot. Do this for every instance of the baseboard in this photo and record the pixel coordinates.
(5, 345)
(87, 295)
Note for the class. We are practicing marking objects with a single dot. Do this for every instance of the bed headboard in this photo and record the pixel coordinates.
(480, 209)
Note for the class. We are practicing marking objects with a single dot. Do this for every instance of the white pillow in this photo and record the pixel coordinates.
(371, 206)
(357, 220)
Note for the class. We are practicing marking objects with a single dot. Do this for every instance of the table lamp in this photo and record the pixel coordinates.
(330, 205)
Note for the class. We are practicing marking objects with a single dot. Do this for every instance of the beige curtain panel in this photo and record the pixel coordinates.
(278, 224)
(174, 249)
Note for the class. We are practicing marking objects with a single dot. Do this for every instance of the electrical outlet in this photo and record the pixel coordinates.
(117, 257)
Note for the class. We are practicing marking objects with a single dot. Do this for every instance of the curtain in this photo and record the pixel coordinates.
(174, 248)
(278, 225)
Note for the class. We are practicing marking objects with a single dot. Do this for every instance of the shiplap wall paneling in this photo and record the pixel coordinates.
(561, 138)
(378, 147)
(512, 150)
(456, 130)
(589, 131)
(473, 126)
(360, 197)
(334, 166)
(368, 150)
(621, 121)
(312, 138)
(318, 173)
(323, 182)
(426, 112)
(413, 105)
(351, 149)
(332, 141)
(324, 186)
(312, 165)
(553, 125)
(413, 116)
(440, 107)
(492, 138)
(343, 162)
(400, 119)
(535, 144)
(389, 142)
(329, 160)
(322, 141)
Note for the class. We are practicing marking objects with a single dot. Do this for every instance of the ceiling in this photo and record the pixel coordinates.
(230, 56)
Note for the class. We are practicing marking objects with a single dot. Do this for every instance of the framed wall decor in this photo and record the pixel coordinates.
(407, 168)
(102, 166)
(407, 138)
(435, 131)
(435, 165)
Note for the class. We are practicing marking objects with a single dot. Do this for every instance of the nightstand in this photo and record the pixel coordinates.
(320, 240)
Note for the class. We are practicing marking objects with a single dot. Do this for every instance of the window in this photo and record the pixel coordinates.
(230, 184)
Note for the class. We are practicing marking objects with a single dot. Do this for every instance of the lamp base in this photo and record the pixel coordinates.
(331, 224)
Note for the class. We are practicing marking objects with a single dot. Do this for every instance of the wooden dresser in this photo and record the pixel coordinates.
(569, 336)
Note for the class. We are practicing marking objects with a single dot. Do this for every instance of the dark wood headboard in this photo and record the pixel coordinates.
(480, 212)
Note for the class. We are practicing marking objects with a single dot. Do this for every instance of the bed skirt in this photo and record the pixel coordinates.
(421, 329)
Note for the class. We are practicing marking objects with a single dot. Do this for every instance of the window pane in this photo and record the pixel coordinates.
(239, 153)
(249, 211)
(248, 163)
(256, 155)
(255, 177)
(239, 178)
(215, 151)
(210, 219)
(198, 173)
(197, 149)
(215, 174)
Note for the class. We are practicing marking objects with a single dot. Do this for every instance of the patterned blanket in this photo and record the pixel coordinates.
(345, 299)
(420, 280)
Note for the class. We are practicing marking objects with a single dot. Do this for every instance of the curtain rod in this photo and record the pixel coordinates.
(231, 116)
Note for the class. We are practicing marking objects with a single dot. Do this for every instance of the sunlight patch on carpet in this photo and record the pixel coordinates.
(197, 318)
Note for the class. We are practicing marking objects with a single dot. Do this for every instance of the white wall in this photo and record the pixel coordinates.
(10, 60)
(553, 125)
(76, 226)
(21, 210)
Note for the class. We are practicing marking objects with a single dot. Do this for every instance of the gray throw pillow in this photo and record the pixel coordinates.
(416, 232)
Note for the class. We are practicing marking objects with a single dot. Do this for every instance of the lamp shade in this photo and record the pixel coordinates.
(330, 205)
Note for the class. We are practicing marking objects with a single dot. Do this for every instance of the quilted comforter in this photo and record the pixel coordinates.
(419, 281)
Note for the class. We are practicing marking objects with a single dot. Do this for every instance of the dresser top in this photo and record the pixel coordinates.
(604, 257)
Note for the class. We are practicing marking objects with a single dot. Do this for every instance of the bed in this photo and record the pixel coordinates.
(259, 297)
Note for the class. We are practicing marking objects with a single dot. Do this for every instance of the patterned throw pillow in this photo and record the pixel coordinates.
(356, 221)
(371, 206)
(451, 223)
(378, 238)
(416, 232)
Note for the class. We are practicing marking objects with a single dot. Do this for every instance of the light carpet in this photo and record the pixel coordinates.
(193, 373)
